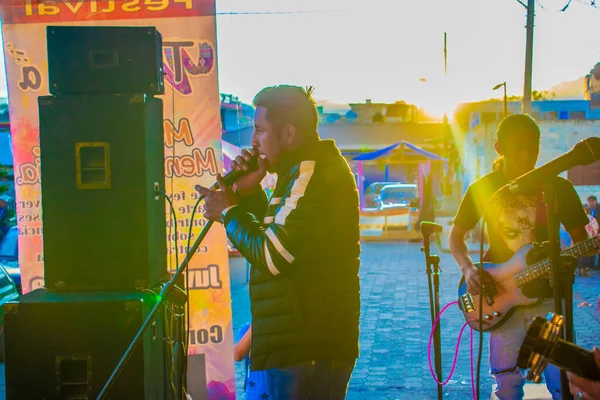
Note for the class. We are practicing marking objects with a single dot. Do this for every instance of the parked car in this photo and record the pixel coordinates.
(397, 196)
(9, 255)
(373, 191)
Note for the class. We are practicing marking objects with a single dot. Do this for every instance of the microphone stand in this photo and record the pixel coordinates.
(560, 287)
(164, 294)
(434, 302)
(179, 358)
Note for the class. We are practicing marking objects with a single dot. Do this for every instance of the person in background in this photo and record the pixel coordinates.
(594, 212)
(256, 383)
(587, 262)
(593, 206)
(5, 215)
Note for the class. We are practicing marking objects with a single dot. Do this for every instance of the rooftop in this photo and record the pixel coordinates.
(492, 110)
(362, 137)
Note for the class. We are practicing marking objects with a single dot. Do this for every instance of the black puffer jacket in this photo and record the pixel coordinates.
(304, 249)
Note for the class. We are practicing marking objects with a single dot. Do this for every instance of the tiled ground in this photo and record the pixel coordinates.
(395, 324)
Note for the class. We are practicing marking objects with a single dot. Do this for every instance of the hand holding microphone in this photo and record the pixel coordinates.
(252, 169)
(248, 170)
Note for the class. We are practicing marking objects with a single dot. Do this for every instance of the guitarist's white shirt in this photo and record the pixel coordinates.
(512, 221)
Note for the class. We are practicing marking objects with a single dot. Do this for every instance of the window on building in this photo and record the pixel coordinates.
(578, 115)
(563, 115)
(487, 117)
(549, 116)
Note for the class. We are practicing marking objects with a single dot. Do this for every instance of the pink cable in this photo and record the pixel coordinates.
(437, 319)
(472, 369)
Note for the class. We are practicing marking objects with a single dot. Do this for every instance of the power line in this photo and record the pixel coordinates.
(591, 3)
(561, 10)
(279, 12)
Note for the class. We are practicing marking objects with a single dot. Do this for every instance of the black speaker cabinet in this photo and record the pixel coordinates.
(66, 346)
(102, 157)
(104, 60)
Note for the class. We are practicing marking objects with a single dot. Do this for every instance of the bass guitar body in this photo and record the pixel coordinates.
(500, 300)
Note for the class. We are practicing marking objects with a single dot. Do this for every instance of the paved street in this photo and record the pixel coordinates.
(395, 325)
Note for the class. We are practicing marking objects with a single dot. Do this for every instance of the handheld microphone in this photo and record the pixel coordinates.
(234, 174)
(427, 228)
(585, 152)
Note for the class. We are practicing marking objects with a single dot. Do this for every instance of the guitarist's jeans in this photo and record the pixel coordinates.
(504, 348)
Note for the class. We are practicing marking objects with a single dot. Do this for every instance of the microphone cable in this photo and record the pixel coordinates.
(169, 322)
(480, 267)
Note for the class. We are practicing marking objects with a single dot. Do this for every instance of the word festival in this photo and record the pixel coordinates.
(56, 7)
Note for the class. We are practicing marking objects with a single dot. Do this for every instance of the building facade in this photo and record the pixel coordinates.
(235, 115)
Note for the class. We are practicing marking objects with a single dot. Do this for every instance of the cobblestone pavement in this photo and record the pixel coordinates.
(395, 325)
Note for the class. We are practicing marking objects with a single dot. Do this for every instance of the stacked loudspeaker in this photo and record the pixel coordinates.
(102, 166)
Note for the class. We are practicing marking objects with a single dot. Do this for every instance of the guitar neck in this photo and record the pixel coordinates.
(542, 268)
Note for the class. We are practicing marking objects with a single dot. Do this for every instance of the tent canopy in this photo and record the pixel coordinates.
(398, 152)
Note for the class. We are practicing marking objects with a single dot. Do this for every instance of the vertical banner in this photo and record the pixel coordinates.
(192, 130)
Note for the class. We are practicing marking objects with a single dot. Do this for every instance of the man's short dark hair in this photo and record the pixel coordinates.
(515, 126)
(592, 197)
(291, 105)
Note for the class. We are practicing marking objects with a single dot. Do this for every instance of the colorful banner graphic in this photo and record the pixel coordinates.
(192, 152)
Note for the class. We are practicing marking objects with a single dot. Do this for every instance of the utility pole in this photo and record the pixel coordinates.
(526, 104)
(445, 57)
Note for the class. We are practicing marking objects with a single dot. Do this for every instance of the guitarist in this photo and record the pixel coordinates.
(512, 222)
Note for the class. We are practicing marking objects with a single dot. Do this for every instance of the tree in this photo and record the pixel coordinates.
(542, 95)
(536, 95)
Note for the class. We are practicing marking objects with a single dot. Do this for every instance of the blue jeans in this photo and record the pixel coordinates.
(311, 380)
(504, 349)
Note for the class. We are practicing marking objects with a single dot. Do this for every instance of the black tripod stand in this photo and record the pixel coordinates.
(561, 279)
(178, 298)
(169, 291)
(433, 268)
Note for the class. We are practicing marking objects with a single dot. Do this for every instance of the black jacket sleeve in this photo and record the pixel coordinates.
(297, 226)
(256, 204)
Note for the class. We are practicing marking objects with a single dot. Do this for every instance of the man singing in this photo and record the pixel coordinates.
(303, 245)
(514, 220)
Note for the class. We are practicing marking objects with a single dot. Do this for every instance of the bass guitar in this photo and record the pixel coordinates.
(501, 299)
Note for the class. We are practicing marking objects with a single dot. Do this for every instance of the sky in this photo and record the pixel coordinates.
(389, 50)
(380, 49)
